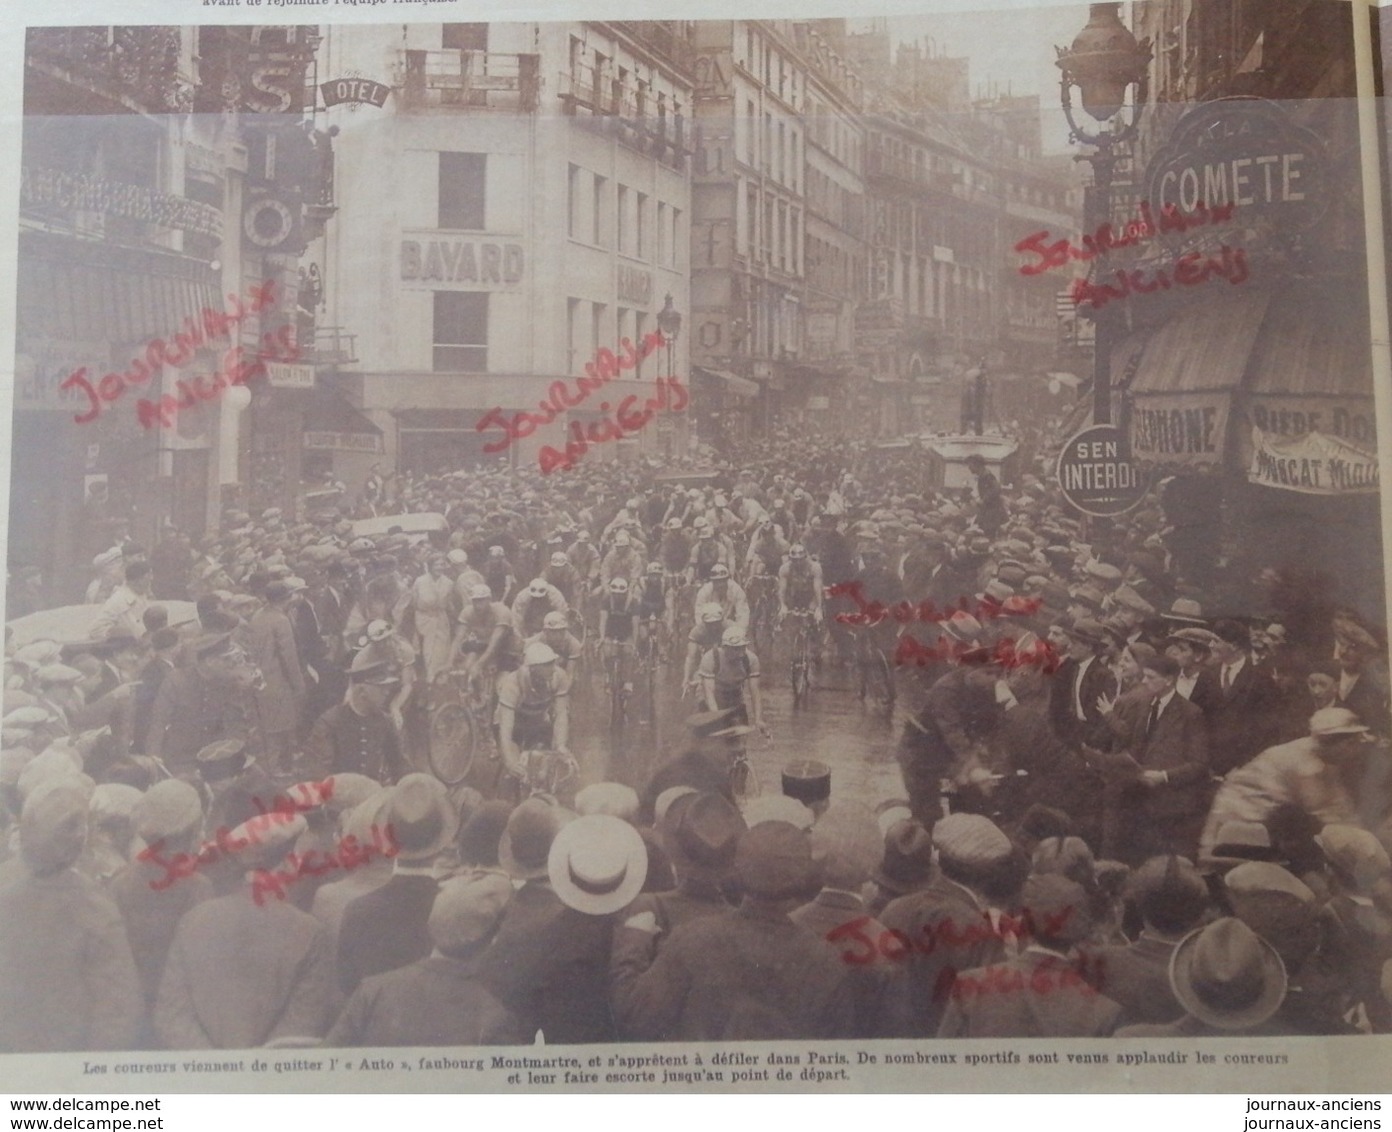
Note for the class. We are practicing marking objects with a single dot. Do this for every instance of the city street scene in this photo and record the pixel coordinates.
(695, 531)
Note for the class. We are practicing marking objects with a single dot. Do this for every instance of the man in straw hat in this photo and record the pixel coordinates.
(438, 1000)
(749, 973)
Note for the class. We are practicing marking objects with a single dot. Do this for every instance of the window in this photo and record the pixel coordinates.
(623, 326)
(573, 212)
(640, 214)
(674, 248)
(463, 187)
(664, 235)
(573, 332)
(461, 332)
(640, 331)
(597, 212)
(598, 327)
(621, 239)
(464, 37)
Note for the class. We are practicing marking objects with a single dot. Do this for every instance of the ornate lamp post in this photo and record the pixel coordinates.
(669, 322)
(1104, 62)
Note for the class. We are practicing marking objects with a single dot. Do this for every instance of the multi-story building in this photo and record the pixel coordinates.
(1253, 388)
(515, 207)
(134, 186)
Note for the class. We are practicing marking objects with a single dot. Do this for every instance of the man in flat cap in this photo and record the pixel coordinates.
(244, 970)
(439, 1000)
(748, 973)
(67, 979)
(1041, 992)
(946, 924)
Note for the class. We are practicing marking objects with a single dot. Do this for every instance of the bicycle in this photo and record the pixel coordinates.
(763, 611)
(620, 692)
(652, 656)
(876, 673)
(457, 721)
(802, 655)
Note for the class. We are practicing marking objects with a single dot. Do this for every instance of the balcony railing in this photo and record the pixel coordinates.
(618, 111)
(663, 38)
(330, 346)
(878, 164)
(471, 79)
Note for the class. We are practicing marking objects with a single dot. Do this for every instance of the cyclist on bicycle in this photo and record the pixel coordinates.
(766, 549)
(800, 584)
(705, 635)
(485, 637)
(533, 604)
(618, 616)
(708, 553)
(498, 573)
(726, 593)
(674, 548)
(729, 677)
(652, 594)
(623, 561)
(563, 576)
(584, 557)
(556, 635)
(533, 708)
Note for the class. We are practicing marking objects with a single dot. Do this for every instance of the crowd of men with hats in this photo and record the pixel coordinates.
(217, 834)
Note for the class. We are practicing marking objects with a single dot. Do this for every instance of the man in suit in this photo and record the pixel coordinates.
(1171, 898)
(947, 923)
(243, 971)
(1363, 680)
(1163, 766)
(1082, 680)
(388, 928)
(1238, 698)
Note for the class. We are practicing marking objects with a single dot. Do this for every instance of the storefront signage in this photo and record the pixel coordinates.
(1312, 463)
(1245, 152)
(355, 90)
(43, 364)
(342, 442)
(290, 375)
(1096, 473)
(83, 192)
(455, 260)
(1186, 429)
(633, 285)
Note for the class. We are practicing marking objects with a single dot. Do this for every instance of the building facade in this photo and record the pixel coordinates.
(517, 208)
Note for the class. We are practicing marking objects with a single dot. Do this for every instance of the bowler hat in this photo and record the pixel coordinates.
(421, 817)
(906, 862)
(700, 834)
(467, 910)
(527, 838)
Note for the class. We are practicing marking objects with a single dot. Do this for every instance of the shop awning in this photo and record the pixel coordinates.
(331, 423)
(741, 385)
(74, 290)
(1274, 384)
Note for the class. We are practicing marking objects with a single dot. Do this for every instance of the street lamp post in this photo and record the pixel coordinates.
(669, 322)
(1104, 62)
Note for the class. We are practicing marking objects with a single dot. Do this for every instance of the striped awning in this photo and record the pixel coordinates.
(90, 290)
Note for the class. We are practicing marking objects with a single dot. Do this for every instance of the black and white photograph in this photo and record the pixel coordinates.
(690, 535)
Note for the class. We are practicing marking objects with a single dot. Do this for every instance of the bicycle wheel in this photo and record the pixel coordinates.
(877, 678)
(453, 738)
(802, 669)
